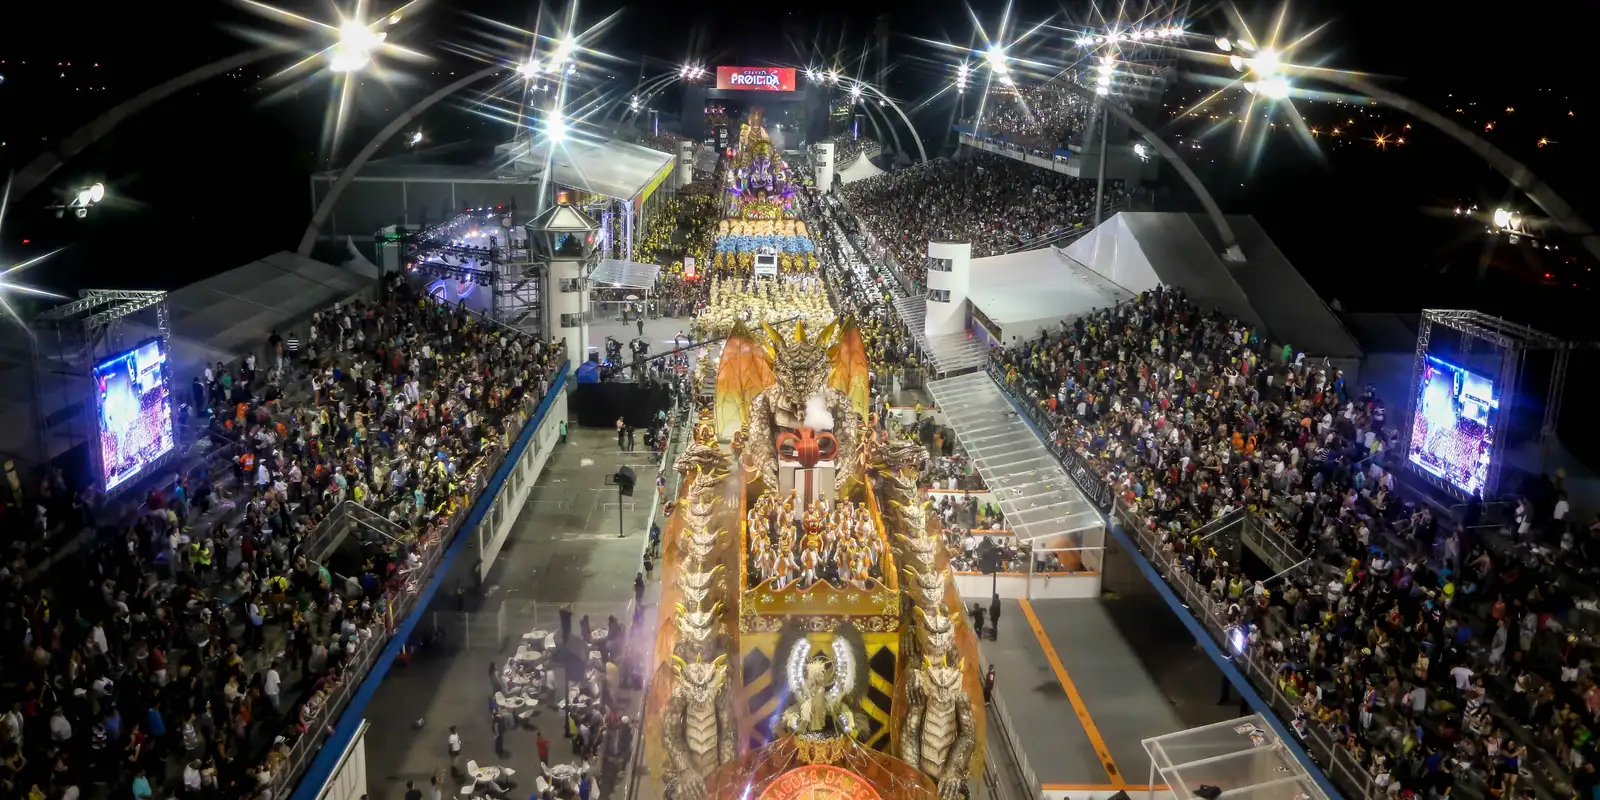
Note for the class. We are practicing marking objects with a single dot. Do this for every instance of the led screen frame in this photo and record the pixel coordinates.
(135, 428)
(1454, 425)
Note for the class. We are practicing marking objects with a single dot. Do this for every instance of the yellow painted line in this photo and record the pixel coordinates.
(1095, 739)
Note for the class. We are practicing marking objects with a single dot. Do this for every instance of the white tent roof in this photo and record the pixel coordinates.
(1024, 292)
(1140, 250)
(618, 170)
(625, 274)
(862, 168)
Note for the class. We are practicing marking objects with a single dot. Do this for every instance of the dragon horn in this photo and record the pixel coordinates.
(722, 658)
(678, 663)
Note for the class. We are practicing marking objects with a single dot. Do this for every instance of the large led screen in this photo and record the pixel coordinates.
(756, 79)
(134, 408)
(1452, 431)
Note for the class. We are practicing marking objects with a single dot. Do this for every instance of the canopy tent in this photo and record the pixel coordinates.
(618, 170)
(1243, 757)
(860, 169)
(616, 273)
(1025, 292)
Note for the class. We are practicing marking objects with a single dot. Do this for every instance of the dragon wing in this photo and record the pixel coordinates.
(789, 660)
(849, 664)
(742, 373)
(850, 371)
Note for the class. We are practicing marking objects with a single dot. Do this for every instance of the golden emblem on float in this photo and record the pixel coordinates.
(807, 447)
(819, 782)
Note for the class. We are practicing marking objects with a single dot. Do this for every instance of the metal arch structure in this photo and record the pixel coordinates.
(1518, 173)
(1230, 243)
(42, 167)
(325, 208)
(922, 152)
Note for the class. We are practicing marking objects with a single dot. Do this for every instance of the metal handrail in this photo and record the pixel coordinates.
(1337, 762)
(398, 604)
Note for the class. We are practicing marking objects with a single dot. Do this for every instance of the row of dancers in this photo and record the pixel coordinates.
(790, 542)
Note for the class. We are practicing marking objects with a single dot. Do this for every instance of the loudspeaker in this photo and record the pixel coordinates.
(625, 480)
(1119, 796)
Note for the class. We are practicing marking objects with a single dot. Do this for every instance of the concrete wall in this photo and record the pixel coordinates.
(508, 504)
(949, 317)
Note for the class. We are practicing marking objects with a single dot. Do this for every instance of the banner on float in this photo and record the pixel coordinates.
(756, 79)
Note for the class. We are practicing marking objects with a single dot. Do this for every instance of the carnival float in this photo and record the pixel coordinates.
(811, 641)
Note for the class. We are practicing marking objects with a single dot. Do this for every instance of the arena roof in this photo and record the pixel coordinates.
(220, 318)
(1035, 289)
(1139, 250)
(610, 168)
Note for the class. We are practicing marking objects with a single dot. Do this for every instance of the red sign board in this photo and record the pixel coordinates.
(756, 79)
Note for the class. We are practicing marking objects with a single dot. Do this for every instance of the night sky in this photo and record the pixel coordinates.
(212, 179)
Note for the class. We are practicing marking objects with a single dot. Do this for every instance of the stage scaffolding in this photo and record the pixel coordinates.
(1510, 347)
(67, 342)
(511, 274)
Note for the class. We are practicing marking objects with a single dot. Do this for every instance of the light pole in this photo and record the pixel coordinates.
(1104, 82)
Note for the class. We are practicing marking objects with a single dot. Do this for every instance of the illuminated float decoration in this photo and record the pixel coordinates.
(811, 642)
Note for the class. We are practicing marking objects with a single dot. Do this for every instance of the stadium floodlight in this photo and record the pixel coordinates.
(97, 192)
(996, 58)
(1223, 44)
(357, 43)
(1502, 218)
(555, 126)
(1085, 41)
(1237, 63)
(564, 50)
(529, 69)
(1275, 88)
(1265, 63)
(1106, 67)
(1140, 151)
(833, 76)
(416, 139)
(1103, 80)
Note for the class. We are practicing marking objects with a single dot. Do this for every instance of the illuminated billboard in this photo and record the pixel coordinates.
(133, 403)
(756, 79)
(1452, 431)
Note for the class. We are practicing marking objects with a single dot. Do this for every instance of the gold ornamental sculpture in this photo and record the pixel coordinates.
(811, 641)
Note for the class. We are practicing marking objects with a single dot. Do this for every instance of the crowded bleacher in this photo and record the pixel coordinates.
(1442, 660)
(996, 203)
(191, 649)
(1040, 118)
(847, 148)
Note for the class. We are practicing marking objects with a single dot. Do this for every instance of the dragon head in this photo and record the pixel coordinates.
(929, 586)
(700, 680)
(936, 633)
(800, 363)
(944, 678)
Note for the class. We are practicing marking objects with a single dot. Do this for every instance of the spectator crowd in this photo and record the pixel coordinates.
(188, 651)
(847, 148)
(1040, 118)
(994, 202)
(1442, 659)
